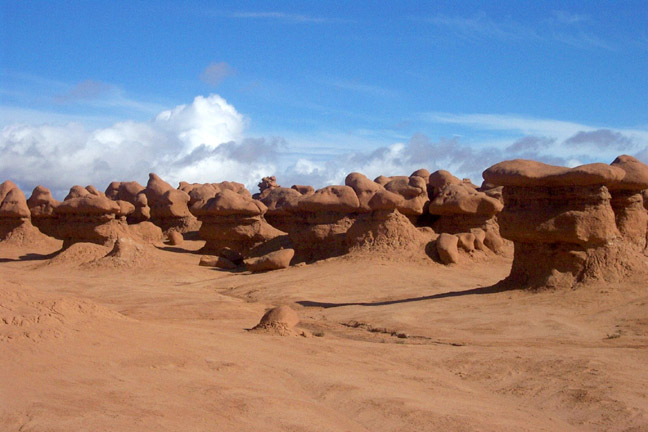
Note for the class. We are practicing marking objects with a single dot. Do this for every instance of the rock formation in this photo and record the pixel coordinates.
(89, 218)
(414, 191)
(15, 217)
(41, 205)
(319, 222)
(562, 222)
(235, 221)
(379, 224)
(169, 206)
(271, 261)
(627, 200)
(133, 193)
(459, 208)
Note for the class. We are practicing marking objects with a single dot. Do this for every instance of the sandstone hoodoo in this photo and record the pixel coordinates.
(562, 223)
(627, 200)
(320, 222)
(278, 200)
(133, 193)
(89, 218)
(266, 185)
(414, 191)
(169, 206)
(235, 221)
(41, 204)
(15, 217)
(379, 224)
(459, 208)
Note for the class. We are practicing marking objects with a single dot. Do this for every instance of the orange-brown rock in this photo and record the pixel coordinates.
(15, 217)
(627, 201)
(169, 206)
(303, 189)
(89, 218)
(460, 208)
(41, 204)
(133, 193)
(319, 222)
(235, 221)
(414, 191)
(561, 222)
(275, 260)
(439, 179)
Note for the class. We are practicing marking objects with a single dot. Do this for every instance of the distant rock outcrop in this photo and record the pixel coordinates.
(133, 193)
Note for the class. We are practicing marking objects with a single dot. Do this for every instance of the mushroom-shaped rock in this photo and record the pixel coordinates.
(169, 206)
(446, 246)
(272, 261)
(266, 185)
(89, 218)
(41, 204)
(318, 223)
(627, 201)
(236, 221)
(561, 222)
(15, 223)
(279, 201)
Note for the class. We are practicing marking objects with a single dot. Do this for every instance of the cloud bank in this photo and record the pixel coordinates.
(205, 141)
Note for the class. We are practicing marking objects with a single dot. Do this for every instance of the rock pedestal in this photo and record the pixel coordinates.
(561, 222)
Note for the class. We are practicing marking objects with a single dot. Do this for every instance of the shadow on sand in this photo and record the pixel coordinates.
(31, 257)
(493, 289)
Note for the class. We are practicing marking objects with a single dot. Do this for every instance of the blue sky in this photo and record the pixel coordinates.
(98, 91)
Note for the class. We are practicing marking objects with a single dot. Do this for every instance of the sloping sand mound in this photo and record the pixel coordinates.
(79, 253)
(27, 235)
(126, 253)
(28, 314)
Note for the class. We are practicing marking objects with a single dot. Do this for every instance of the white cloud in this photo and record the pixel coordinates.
(61, 156)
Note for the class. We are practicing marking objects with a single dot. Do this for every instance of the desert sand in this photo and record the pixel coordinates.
(386, 343)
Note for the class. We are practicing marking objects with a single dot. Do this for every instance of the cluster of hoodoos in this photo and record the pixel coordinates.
(566, 225)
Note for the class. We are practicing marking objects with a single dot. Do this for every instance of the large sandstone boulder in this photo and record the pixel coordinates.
(235, 221)
(460, 208)
(379, 225)
(89, 218)
(627, 200)
(15, 217)
(414, 190)
(131, 192)
(319, 222)
(561, 222)
(41, 204)
(169, 206)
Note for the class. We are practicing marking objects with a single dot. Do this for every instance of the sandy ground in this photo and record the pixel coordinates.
(399, 344)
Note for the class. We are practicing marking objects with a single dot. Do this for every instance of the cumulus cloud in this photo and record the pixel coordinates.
(215, 73)
(61, 156)
(205, 141)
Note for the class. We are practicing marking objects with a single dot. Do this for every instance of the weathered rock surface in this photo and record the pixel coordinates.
(169, 206)
(15, 217)
(272, 261)
(561, 222)
(235, 221)
(447, 247)
(131, 192)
